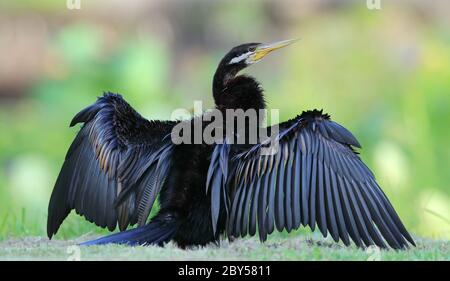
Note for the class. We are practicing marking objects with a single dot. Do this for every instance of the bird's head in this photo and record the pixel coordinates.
(250, 53)
(242, 89)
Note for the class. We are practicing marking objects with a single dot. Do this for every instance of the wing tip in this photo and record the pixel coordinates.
(88, 113)
(85, 115)
(51, 230)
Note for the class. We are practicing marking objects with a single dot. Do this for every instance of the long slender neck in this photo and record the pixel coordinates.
(236, 92)
(224, 74)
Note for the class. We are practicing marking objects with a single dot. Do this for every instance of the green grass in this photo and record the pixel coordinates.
(299, 247)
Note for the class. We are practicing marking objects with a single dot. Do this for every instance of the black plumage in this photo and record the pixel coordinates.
(119, 163)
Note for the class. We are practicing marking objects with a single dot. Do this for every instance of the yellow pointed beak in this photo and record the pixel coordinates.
(264, 49)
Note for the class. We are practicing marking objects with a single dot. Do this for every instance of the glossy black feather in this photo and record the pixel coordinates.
(279, 203)
(288, 188)
(320, 180)
(331, 215)
(112, 157)
(272, 194)
(296, 186)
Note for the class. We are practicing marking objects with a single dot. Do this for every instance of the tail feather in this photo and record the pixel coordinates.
(154, 233)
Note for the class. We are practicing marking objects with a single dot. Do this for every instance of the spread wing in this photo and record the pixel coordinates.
(316, 179)
(114, 168)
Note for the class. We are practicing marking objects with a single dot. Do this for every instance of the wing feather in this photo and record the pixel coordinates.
(116, 159)
(316, 178)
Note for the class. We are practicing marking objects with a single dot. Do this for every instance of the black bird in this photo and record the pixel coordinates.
(120, 162)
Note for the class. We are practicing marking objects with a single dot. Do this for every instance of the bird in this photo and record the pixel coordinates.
(120, 164)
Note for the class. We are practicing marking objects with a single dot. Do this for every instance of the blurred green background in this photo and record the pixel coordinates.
(384, 74)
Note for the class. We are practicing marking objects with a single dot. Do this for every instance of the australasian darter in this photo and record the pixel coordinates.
(120, 162)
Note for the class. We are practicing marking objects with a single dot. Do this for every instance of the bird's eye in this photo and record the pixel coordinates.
(251, 49)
